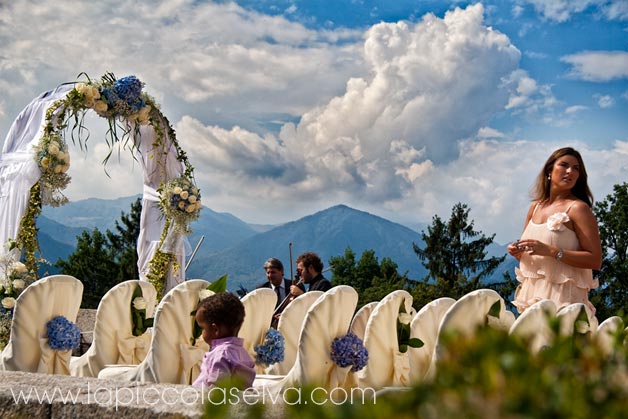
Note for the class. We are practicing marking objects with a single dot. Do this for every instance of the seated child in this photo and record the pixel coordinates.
(220, 316)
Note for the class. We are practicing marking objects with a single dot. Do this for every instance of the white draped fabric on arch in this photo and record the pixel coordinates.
(35, 151)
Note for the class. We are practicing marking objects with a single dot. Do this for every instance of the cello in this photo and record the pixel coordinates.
(296, 280)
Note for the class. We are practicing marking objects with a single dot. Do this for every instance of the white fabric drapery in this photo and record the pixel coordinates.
(18, 168)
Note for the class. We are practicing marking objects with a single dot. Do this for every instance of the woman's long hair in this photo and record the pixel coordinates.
(541, 189)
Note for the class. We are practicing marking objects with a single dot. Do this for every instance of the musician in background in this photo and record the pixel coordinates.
(276, 281)
(310, 268)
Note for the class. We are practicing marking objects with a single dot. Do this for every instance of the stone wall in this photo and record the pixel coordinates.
(61, 397)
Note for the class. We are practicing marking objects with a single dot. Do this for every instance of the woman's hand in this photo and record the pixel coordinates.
(535, 247)
(515, 250)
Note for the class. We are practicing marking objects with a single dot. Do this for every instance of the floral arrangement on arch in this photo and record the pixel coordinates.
(126, 107)
(16, 278)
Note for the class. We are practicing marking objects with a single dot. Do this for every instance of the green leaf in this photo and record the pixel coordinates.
(403, 348)
(495, 309)
(149, 322)
(219, 285)
(415, 342)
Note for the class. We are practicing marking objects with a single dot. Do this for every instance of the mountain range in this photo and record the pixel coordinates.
(240, 249)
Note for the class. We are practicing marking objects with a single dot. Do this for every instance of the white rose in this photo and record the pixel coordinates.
(19, 284)
(18, 267)
(202, 294)
(181, 205)
(81, 87)
(100, 107)
(192, 198)
(190, 208)
(177, 190)
(58, 168)
(61, 156)
(405, 318)
(8, 302)
(65, 168)
(53, 148)
(184, 194)
(45, 162)
(139, 303)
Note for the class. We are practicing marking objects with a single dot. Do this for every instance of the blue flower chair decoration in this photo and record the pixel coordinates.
(289, 326)
(171, 357)
(259, 305)
(113, 340)
(28, 348)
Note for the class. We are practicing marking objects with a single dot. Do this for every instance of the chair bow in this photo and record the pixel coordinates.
(53, 361)
(191, 358)
(133, 349)
(401, 370)
(337, 376)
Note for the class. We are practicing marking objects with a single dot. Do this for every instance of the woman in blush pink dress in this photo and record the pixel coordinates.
(560, 244)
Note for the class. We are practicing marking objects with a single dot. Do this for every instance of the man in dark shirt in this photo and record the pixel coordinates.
(276, 281)
(310, 268)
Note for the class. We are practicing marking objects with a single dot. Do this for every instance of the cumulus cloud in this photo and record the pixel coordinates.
(598, 66)
(390, 126)
(215, 61)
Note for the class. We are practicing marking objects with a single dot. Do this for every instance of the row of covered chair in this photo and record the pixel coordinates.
(309, 324)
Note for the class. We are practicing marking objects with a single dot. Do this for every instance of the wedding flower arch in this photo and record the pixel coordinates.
(35, 160)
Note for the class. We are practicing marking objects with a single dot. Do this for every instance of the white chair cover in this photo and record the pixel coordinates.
(113, 341)
(171, 358)
(358, 324)
(328, 318)
(569, 319)
(465, 316)
(18, 168)
(28, 349)
(425, 326)
(259, 306)
(386, 366)
(533, 325)
(290, 323)
(605, 334)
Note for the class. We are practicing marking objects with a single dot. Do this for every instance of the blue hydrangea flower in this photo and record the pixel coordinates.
(128, 88)
(349, 350)
(272, 350)
(63, 334)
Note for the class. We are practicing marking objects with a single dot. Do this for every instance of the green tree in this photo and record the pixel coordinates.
(101, 261)
(611, 298)
(370, 278)
(124, 243)
(455, 257)
(93, 263)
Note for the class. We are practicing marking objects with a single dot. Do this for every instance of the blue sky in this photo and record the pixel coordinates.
(399, 108)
